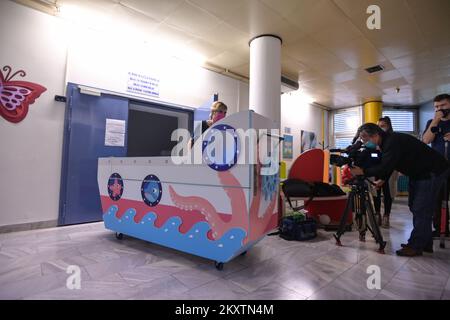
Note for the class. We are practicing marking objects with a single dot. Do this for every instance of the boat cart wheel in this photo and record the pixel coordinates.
(219, 265)
(119, 235)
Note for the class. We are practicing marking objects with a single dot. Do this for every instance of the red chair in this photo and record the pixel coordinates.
(310, 166)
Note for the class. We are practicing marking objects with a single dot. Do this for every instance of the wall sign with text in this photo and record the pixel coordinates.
(143, 84)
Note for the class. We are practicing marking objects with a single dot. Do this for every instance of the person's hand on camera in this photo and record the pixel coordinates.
(379, 183)
(357, 171)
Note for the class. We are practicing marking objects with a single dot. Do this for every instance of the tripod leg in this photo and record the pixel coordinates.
(374, 228)
(344, 217)
(444, 222)
(362, 219)
(444, 218)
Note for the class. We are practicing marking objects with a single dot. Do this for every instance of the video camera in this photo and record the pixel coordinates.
(357, 155)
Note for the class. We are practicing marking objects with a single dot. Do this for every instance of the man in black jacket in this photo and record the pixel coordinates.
(438, 137)
(427, 170)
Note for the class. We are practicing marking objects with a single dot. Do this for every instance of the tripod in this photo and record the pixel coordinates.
(360, 200)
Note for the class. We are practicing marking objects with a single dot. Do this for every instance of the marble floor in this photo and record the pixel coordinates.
(33, 265)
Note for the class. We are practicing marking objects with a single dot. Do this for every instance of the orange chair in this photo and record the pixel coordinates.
(327, 211)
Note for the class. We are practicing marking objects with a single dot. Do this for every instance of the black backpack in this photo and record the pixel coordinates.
(292, 229)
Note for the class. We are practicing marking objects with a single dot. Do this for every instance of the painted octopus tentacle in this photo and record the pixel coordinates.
(269, 211)
(239, 217)
(254, 207)
(259, 224)
(218, 226)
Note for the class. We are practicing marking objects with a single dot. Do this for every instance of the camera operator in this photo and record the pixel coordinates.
(389, 187)
(426, 169)
(437, 132)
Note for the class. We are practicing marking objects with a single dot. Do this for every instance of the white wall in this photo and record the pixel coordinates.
(299, 115)
(96, 59)
(30, 158)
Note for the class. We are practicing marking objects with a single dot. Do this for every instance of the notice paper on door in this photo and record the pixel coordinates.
(115, 133)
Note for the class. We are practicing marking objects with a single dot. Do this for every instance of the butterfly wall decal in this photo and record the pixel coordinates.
(16, 96)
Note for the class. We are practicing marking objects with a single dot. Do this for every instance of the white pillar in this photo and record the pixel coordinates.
(265, 76)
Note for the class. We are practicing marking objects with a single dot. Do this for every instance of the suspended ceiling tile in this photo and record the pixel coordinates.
(405, 90)
(292, 62)
(433, 20)
(134, 20)
(418, 69)
(399, 34)
(363, 87)
(357, 53)
(192, 19)
(255, 19)
(325, 86)
(303, 48)
(99, 5)
(243, 70)
(318, 96)
(412, 59)
(384, 76)
(392, 84)
(204, 48)
(284, 7)
(308, 75)
(425, 79)
(350, 102)
(427, 93)
(398, 46)
(336, 36)
(312, 16)
(338, 103)
(288, 32)
(445, 73)
(393, 100)
(329, 65)
(220, 8)
(291, 67)
(349, 75)
(156, 9)
(241, 49)
(96, 15)
(309, 52)
(394, 15)
(170, 34)
(439, 51)
(228, 60)
(324, 100)
(444, 88)
(224, 35)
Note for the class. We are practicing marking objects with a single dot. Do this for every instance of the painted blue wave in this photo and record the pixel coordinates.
(195, 241)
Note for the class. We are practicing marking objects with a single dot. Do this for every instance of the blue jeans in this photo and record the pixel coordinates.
(422, 201)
